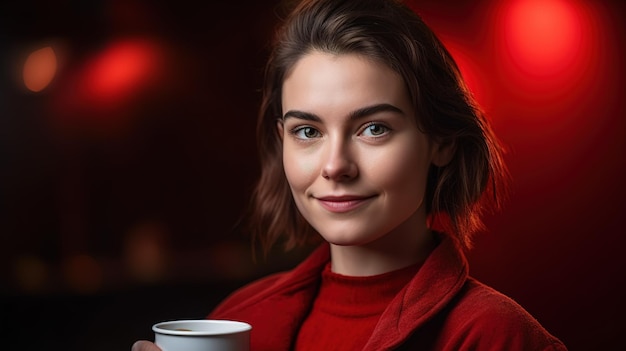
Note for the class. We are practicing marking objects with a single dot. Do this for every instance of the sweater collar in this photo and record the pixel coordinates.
(356, 297)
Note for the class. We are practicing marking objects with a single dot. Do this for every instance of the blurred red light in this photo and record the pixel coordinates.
(119, 71)
(543, 36)
(103, 92)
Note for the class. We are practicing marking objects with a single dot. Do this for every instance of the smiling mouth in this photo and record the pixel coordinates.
(343, 204)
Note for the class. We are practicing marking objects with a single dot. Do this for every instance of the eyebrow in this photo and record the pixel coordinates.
(354, 115)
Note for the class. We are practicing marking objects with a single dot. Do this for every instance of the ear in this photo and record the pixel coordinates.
(442, 152)
(280, 128)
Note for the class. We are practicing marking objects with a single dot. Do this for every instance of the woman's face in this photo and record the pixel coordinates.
(354, 158)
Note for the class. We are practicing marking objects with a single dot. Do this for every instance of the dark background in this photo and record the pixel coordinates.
(120, 193)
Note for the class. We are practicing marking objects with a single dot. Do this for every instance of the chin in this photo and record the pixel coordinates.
(342, 239)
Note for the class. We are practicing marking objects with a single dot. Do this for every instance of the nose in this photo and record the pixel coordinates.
(339, 164)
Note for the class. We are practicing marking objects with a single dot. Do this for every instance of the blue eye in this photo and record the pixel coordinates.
(306, 133)
(375, 130)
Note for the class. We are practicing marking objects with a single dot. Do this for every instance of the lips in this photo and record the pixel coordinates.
(341, 204)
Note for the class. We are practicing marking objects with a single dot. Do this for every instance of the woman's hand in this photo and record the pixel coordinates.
(143, 345)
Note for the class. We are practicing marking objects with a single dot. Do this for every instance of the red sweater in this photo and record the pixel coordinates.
(347, 309)
(440, 308)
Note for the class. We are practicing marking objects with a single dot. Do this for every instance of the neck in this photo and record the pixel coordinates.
(408, 244)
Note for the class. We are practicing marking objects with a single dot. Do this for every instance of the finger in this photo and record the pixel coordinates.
(143, 345)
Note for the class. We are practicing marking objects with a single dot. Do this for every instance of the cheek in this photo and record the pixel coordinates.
(299, 169)
(401, 171)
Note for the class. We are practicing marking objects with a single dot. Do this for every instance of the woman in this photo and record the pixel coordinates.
(370, 140)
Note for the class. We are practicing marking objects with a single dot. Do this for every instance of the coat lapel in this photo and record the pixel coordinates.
(279, 307)
(439, 279)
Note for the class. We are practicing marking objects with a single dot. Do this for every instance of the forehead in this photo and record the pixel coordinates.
(335, 82)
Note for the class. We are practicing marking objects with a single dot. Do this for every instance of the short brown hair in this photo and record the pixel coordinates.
(389, 32)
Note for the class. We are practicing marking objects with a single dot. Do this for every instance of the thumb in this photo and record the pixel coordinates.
(143, 345)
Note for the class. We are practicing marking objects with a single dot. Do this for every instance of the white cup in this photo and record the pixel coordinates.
(202, 335)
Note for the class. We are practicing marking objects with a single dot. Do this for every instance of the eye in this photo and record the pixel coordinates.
(375, 130)
(306, 132)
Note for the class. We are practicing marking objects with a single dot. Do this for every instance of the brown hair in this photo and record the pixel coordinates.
(389, 32)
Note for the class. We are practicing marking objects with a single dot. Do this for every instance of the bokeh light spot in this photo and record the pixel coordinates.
(119, 71)
(83, 273)
(39, 69)
(146, 251)
(31, 273)
(542, 36)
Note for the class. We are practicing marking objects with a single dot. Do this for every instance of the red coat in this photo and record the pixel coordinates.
(441, 308)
